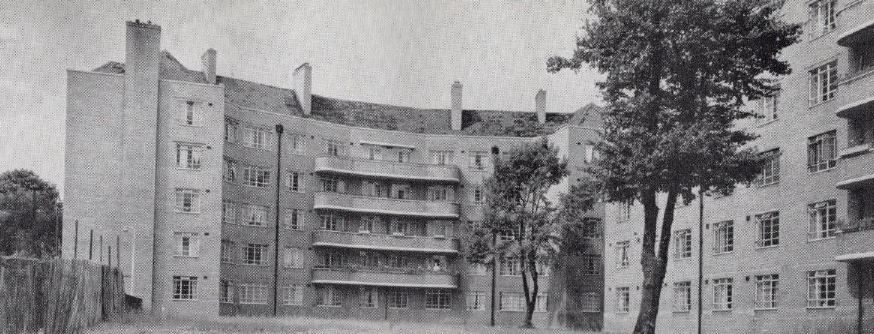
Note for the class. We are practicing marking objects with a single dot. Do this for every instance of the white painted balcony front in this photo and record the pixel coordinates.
(385, 242)
(398, 278)
(387, 169)
(387, 206)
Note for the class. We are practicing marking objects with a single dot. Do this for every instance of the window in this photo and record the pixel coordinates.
(476, 301)
(229, 213)
(254, 215)
(591, 229)
(822, 17)
(510, 266)
(331, 221)
(188, 155)
(437, 299)
(723, 237)
(623, 299)
(590, 153)
(823, 83)
(369, 298)
(722, 294)
(440, 193)
(511, 301)
(590, 302)
(330, 184)
(766, 291)
(624, 214)
(823, 219)
(255, 254)
(400, 228)
(187, 200)
(227, 251)
(332, 147)
(478, 160)
(821, 288)
(292, 219)
(190, 113)
(254, 176)
(374, 153)
(442, 157)
(292, 295)
(401, 191)
(231, 129)
(251, 293)
(292, 258)
(404, 156)
(682, 297)
(259, 138)
(862, 57)
(366, 224)
(476, 269)
(296, 144)
(770, 168)
(230, 170)
(397, 299)
(766, 107)
(477, 195)
(187, 244)
(622, 254)
(292, 181)
(821, 152)
(226, 291)
(398, 262)
(591, 265)
(184, 287)
(331, 260)
(769, 229)
(683, 244)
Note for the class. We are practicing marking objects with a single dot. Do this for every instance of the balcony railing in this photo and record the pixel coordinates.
(855, 225)
(370, 241)
(406, 278)
(387, 169)
(388, 206)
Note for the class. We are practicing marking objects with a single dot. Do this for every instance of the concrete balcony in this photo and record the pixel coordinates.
(369, 241)
(387, 206)
(401, 279)
(854, 240)
(387, 169)
(854, 96)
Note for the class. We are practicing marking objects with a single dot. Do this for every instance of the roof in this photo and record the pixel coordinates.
(246, 94)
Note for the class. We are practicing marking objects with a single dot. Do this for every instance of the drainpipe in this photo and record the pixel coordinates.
(276, 220)
(495, 152)
(861, 312)
(700, 252)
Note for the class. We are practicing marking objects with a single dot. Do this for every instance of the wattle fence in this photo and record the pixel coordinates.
(58, 295)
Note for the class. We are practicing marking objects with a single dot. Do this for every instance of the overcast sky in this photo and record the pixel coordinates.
(397, 52)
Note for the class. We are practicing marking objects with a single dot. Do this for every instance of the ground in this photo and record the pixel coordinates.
(221, 325)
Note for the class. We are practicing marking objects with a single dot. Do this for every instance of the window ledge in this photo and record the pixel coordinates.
(821, 239)
(820, 103)
(187, 212)
(681, 312)
(185, 300)
(814, 308)
(851, 77)
(766, 123)
(185, 256)
(855, 150)
(823, 170)
(766, 247)
(722, 311)
(765, 309)
(723, 253)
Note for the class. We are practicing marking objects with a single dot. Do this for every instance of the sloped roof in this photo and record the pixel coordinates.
(246, 94)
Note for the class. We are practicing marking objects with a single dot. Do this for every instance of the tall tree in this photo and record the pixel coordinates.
(677, 73)
(30, 215)
(517, 210)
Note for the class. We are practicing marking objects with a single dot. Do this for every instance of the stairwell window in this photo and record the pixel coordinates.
(188, 155)
(478, 160)
(226, 291)
(292, 257)
(591, 265)
(622, 254)
(477, 195)
(254, 215)
(187, 200)
(227, 251)
(723, 237)
(766, 291)
(623, 299)
(230, 170)
(296, 142)
(768, 229)
(722, 294)
(232, 128)
(476, 301)
(770, 173)
(190, 113)
(229, 213)
(252, 293)
(823, 220)
(683, 244)
(187, 244)
(184, 287)
(292, 181)
(292, 295)
(255, 254)
(438, 299)
(333, 148)
(255, 137)
(255, 176)
(821, 289)
(292, 220)
(682, 297)
(822, 17)
(823, 83)
(821, 152)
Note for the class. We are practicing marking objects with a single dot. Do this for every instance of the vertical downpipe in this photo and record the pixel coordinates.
(700, 253)
(495, 152)
(276, 220)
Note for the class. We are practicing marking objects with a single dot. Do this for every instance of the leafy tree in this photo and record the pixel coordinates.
(677, 73)
(30, 215)
(517, 210)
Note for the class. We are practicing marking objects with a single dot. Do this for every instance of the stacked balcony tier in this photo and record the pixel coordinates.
(387, 169)
(386, 206)
(399, 279)
(384, 242)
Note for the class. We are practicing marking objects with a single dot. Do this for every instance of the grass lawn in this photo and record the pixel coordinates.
(143, 324)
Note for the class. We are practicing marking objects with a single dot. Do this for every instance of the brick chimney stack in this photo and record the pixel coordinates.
(207, 61)
(302, 82)
(540, 106)
(455, 113)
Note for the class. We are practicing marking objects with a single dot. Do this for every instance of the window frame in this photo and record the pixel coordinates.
(623, 299)
(193, 205)
(822, 214)
(183, 292)
(724, 288)
(683, 244)
(768, 237)
(767, 292)
(193, 159)
(438, 299)
(682, 297)
(822, 152)
(828, 278)
(723, 237)
(823, 81)
(252, 294)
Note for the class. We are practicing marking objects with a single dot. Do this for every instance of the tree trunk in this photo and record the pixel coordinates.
(652, 263)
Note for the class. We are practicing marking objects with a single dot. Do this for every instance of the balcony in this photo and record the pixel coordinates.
(387, 169)
(860, 34)
(387, 206)
(411, 278)
(856, 225)
(368, 241)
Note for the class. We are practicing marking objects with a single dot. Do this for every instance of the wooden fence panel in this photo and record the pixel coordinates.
(58, 295)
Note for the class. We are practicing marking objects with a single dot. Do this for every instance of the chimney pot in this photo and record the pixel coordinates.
(302, 84)
(540, 106)
(208, 60)
(455, 112)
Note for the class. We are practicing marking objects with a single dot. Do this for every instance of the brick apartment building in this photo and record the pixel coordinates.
(791, 253)
(220, 196)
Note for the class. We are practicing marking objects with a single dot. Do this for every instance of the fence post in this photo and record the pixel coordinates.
(117, 251)
(91, 246)
(101, 249)
(76, 239)
(110, 256)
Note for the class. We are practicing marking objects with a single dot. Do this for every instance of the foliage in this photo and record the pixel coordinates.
(677, 74)
(30, 215)
(517, 209)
